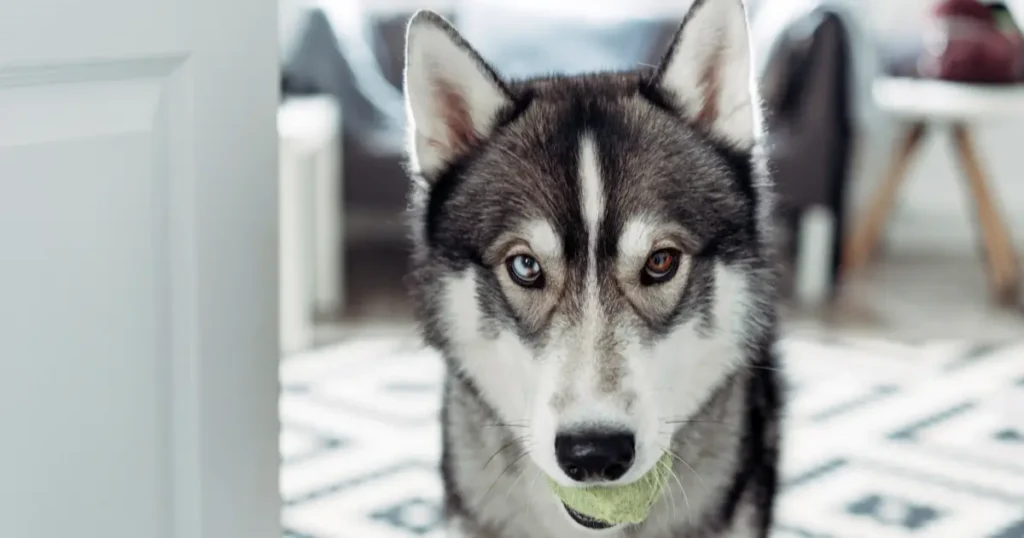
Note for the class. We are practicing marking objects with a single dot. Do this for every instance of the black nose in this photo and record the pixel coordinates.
(594, 455)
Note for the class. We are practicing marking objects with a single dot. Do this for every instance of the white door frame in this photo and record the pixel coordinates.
(152, 121)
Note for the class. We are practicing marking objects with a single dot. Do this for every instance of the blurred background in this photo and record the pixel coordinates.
(895, 130)
(832, 140)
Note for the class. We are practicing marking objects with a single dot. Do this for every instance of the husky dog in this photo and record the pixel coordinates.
(592, 260)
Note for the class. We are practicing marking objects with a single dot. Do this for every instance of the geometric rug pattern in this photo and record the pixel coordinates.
(882, 440)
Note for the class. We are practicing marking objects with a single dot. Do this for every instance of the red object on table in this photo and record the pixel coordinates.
(968, 43)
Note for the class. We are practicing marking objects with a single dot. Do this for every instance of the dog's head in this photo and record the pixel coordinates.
(590, 252)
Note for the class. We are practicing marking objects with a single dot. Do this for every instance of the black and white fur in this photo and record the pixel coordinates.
(588, 176)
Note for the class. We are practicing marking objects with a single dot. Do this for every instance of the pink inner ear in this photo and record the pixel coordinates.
(711, 88)
(455, 114)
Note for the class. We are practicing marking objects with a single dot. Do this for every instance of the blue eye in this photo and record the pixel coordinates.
(525, 271)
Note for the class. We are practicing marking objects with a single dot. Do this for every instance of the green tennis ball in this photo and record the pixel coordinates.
(614, 505)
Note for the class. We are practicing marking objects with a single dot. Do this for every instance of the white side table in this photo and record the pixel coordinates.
(311, 223)
(925, 105)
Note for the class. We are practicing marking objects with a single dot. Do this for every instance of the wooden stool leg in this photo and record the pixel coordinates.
(1002, 261)
(864, 240)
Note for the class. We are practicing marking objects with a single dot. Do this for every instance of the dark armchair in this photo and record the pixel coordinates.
(807, 89)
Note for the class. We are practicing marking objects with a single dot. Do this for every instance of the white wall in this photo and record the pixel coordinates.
(289, 24)
(934, 213)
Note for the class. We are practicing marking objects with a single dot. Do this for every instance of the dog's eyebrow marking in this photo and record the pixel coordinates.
(541, 236)
(636, 238)
(640, 233)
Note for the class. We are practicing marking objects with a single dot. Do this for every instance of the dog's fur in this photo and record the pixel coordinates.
(588, 175)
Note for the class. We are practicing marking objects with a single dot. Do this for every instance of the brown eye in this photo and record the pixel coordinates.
(525, 271)
(661, 266)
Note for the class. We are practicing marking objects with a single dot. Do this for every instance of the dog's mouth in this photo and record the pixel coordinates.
(587, 521)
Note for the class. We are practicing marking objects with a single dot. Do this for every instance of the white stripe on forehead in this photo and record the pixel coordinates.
(591, 193)
(592, 204)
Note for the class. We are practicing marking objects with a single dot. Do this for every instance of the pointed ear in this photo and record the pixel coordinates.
(707, 73)
(452, 96)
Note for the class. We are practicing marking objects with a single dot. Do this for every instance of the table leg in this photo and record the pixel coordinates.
(864, 240)
(1001, 259)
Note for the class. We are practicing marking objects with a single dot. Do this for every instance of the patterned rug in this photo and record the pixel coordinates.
(883, 441)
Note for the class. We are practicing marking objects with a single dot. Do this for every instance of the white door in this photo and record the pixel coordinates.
(138, 289)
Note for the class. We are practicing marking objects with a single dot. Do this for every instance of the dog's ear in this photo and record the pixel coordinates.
(452, 96)
(706, 72)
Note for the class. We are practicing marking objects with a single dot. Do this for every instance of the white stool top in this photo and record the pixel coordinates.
(308, 120)
(940, 100)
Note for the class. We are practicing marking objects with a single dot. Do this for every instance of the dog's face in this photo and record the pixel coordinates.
(589, 253)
